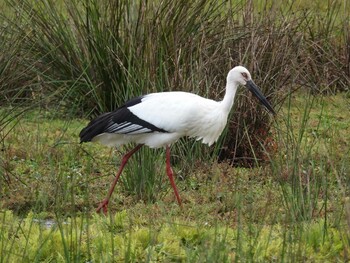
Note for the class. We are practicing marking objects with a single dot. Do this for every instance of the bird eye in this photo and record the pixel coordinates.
(245, 76)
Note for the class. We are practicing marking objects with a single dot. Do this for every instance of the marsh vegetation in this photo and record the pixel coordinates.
(272, 189)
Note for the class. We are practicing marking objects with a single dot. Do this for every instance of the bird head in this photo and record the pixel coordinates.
(240, 75)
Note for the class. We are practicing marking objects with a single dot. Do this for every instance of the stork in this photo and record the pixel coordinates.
(160, 119)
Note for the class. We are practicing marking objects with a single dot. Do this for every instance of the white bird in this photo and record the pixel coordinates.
(160, 119)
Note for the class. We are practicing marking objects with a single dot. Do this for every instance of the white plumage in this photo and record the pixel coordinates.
(160, 119)
(187, 115)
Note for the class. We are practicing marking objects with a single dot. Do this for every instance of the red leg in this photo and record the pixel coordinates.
(169, 172)
(104, 204)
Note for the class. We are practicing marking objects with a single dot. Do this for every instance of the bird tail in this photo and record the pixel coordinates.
(94, 128)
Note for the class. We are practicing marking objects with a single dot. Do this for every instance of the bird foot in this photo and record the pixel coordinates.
(104, 206)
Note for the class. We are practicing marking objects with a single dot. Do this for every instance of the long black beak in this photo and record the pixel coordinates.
(257, 93)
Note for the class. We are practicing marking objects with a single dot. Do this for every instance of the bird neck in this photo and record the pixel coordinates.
(227, 102)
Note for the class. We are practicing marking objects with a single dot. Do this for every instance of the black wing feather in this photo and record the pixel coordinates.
(122, 121)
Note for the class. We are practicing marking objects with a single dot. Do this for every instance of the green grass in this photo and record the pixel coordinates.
(128, 236)
(285, 199)
(294, 208)
(89, 56)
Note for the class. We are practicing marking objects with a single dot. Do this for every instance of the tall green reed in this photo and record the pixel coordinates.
(87, 57)
(301, 166)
